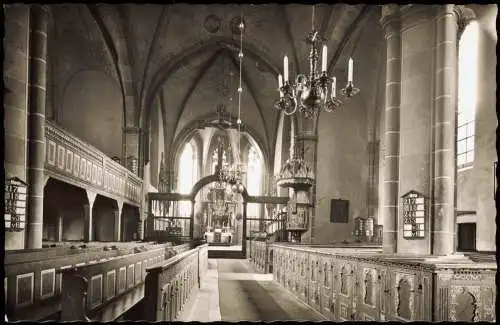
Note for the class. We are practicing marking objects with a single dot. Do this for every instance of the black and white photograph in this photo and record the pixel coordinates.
(233, 162)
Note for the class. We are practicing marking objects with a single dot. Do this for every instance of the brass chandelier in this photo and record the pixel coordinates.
(317, 91)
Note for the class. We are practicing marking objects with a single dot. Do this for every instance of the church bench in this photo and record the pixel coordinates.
(104, 290)
(33, 283)
(344, 284)
(169, 284)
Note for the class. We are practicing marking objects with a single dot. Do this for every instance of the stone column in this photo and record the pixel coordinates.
(59, 234)
(118, 222)
(445, 94)
(305, 145)
(37, 76)
(191, 222)
(389, 197)
(132, 143)
(244, 230)
(88, 217)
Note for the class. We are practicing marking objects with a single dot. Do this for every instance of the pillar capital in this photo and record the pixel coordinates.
(91, 195)
(391, 18)
(463, 16)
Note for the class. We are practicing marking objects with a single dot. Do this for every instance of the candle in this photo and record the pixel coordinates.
(280, 84)
(334, 86)
(323, 62)
(349, 72)
(285, 67)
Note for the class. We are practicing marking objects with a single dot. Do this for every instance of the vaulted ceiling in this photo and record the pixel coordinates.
(176, 57)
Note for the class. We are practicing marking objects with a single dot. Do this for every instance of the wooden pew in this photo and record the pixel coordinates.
(103, 291)
(169, 285)
(33, 284)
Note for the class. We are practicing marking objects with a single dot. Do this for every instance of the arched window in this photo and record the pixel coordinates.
(188, 169)
(215, 157)
(188, 175)
(467, 95)
(254, 180)
(254, 172)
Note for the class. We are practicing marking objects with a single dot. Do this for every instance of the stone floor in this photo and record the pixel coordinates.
(232, 290)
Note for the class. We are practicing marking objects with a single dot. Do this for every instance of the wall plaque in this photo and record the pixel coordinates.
(413, 208)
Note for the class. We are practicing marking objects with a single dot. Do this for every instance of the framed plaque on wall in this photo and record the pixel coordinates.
(339, 211)
(413, 208)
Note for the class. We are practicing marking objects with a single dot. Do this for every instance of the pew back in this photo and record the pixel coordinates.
(169, 284)
(104, 290)
(33, 287)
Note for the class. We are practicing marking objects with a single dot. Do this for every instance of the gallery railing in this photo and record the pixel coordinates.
(74, 161)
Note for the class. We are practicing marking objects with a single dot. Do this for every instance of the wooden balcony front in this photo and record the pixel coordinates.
(74, 161)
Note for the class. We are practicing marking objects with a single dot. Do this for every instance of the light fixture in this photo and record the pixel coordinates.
(233, 174)
(317, 91)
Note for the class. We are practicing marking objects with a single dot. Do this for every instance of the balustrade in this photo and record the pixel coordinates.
(74, 161)
(362, 284)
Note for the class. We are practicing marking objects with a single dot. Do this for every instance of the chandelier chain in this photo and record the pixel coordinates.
(313, 12)
(240, 88)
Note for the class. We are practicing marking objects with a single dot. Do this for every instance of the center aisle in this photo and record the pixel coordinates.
(245, 294)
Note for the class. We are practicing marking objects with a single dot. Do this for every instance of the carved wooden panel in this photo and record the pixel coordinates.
(110, 285)
(368, 287)
(122, 279)
(24, 289)
(144, 268)
(95, 294)
(403, 295)
(130, 276)
(344, 312)
(47, 283)
(464, 306)
(138, 272)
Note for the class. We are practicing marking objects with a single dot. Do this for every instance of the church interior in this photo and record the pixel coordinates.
(210, 162)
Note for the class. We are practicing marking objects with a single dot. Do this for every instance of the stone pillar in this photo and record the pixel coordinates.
(244, 230)
(15, 77)
(118, 222)
(59, 233)
(191, 222)
(305, 145)
(132, 143)
(37, 76)
(389, 196)
(140, 230)
(445, 94)
(88, 217)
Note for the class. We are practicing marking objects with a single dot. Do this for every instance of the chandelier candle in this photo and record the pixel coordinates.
(349, 72)
(334, 86)
(285, 68)
(280, 84)
(323, 62)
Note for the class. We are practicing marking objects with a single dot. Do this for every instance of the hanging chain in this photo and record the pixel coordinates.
(313, 11)
(240, 89)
